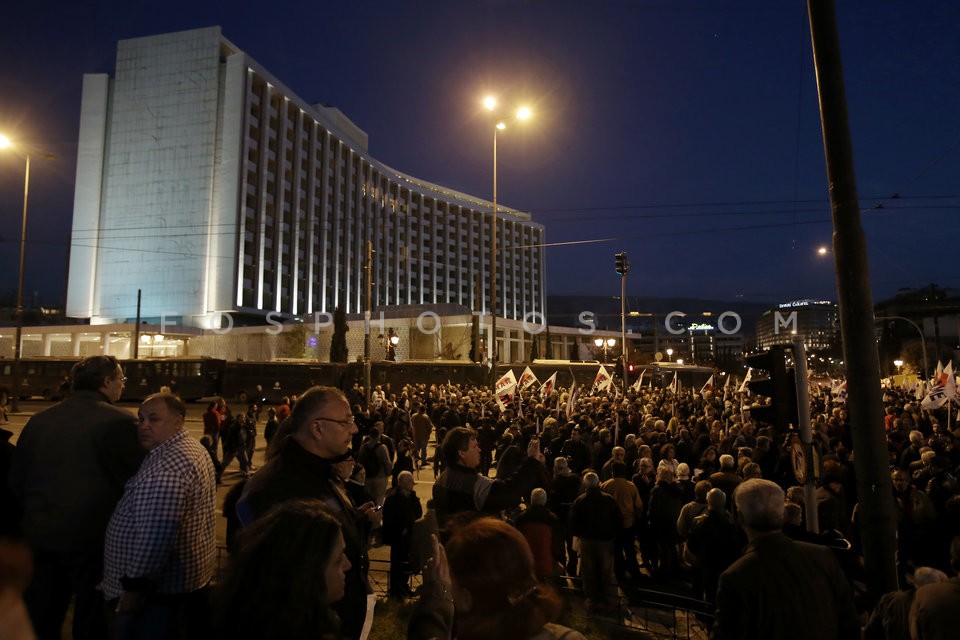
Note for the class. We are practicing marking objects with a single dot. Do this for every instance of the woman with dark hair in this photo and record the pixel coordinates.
(486, 574)
(289, 570)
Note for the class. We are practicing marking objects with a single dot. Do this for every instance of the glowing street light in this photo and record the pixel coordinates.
(608, 343)
(7, 143)
(523, 113)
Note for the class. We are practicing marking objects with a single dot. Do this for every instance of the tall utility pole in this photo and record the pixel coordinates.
(623, 265)
(366, 323)
(494, 354)
(18, 339)
(855, 301)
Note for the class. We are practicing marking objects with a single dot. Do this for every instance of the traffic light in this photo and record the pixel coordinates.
(778, 385)
(623, 265)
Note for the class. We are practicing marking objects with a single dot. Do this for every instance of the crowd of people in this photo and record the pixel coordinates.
(673, 491)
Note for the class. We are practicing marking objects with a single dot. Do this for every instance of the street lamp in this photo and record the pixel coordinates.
(389, 343)
(523, 113)
(669, 355)
(898, 364)
(608, 343)
(6, 143)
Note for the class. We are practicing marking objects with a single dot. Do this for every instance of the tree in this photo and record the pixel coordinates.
(475, 339)
(338, 345)
(535, 348)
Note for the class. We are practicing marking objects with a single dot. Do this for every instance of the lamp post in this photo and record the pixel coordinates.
(608, 343)
(898, 364)
(923, 341)
(669, 355)
(490, 103)
(5, 143)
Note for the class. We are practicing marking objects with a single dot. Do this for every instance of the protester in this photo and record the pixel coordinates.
(780, 588)
(160, 549)
(289, 571)
(68, 472)
(487, 575)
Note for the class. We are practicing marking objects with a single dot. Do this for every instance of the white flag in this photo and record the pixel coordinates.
(602, 380)
(708, 386)
(675, 384)
(636, 385)
(527, 378)
(746, 379)
(505, 388)
(572, 402)
(547, 388)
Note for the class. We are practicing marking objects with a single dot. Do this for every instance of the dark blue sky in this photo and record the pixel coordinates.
(686, 130)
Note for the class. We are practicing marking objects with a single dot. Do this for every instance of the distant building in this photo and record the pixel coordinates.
(206, 183)
(817, 321)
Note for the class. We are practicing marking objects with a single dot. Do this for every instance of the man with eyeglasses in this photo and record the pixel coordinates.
(69, 469)
(322, 430)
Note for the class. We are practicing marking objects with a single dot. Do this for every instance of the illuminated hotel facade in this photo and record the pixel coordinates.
(817, 321)
(208, 185)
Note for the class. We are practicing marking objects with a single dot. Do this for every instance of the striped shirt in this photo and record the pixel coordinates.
(164, 527)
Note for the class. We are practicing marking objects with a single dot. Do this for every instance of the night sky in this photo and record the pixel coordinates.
(683, 132)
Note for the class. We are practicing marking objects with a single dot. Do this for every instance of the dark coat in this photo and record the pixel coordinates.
(786, 590)
(296, 473)
(595, 515)
(71, 464)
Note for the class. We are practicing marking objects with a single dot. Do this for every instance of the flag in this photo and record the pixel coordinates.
(547, 387)
(936, 398)
(839, 390)
(726, 387)
(527, 378)
(572, 402)
(943, 392)
(602, 379)
(707, 386)
(505, 388)
(636, 385)
(746, 379)
(674, 384)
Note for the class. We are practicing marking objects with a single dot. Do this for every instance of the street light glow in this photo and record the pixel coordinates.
(823, 251)
(5, 142)
(490, 103)
(501, 125)
(523, 113)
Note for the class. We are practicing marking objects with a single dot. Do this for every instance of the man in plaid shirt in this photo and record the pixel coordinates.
(161, 541)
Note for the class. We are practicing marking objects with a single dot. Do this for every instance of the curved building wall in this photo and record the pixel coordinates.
(211, 187)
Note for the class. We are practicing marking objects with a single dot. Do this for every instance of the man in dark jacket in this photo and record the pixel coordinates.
(71, 463)
(715, 542)
(461, 489)
(780, 588)
(322, 428)
(595, 519)
(401, 509)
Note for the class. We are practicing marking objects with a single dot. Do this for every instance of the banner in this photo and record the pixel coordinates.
(636, 385)
(527, 378)
(505, 388)
(572, 402)
(602, 379)
(746, 379)
(707, 386)
(547, 387)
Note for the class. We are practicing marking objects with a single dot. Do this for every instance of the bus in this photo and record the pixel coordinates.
(190, 378)
(270, 382)
(48, 378)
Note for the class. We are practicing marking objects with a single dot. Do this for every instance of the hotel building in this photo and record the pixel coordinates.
(208, 185)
